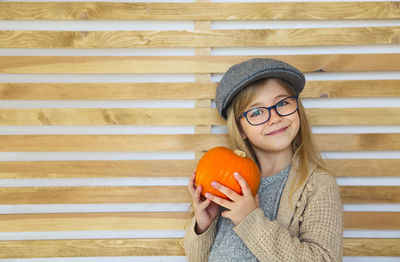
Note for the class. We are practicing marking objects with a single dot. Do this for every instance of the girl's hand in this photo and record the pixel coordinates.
(240, 206)
(205, 211)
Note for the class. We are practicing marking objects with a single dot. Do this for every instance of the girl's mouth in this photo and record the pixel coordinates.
(277, 132)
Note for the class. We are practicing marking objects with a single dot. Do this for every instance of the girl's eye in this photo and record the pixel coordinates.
(282, 103)
(256, 112)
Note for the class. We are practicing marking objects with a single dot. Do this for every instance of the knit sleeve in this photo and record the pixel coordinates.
(197, 247)
(320, 230)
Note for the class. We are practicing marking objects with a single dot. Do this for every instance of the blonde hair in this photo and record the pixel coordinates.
(303, 144)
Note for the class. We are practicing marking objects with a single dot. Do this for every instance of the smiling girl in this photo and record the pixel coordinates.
(297, 213)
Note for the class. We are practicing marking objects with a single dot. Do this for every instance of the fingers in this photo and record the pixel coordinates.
(220, 201)
(191, 184)
(197, 195)
(243, 184)
(226, 191)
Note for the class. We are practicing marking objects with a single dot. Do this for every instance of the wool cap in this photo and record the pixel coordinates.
(243, 74)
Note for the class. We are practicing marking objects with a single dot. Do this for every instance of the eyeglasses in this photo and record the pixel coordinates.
(259, 115)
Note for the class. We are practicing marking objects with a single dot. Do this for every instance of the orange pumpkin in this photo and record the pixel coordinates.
(219, 164)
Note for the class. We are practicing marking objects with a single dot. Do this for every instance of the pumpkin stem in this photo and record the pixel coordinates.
(240, 153)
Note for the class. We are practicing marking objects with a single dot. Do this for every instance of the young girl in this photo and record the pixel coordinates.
(297, 213)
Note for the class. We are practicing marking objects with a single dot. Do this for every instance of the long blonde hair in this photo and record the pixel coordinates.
(303, 144)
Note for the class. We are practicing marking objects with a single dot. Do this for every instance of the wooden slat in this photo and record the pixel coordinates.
(158, 247)
(370, 194)
(171, 168)
(107, 91)
(94, 195)
(94, 221)
(111, 116)
(352, 88)
(182, 116)
(91, 248)
(213, 38)
(371, 247)
(189, 64)
(198, 142)
(354, 116)
(159, 221)
(87, 169)
(164, 194)
(182, 90)
(371, 220)
(364, 167)
(198, 11)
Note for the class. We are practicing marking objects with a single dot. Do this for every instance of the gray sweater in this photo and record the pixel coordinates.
(228, 246)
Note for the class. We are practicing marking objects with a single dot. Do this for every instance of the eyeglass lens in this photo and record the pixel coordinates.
(261, 115)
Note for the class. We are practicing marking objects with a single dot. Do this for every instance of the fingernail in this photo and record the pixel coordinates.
(208, 194)
(235, 174)
(214, 184)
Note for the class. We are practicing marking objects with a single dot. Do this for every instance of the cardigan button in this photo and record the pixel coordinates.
(310, 187)
(298, 204)
(301, 219)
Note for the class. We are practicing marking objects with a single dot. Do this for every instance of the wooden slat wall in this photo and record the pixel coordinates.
(112, 193)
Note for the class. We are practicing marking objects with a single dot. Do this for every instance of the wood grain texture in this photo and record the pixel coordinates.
(181, 116)
(91, 248)
(197, 142)
(199, 38)
(94, 195)
(371, 220)
(164, 194)
(364, 167)
(94, 222)
(157, 247)
(183, 90)
(171, 168)
(107, 91)
(198, 11)
(189, 64)
(159, 221)
(88, 169)
(370, 194)
(371, 247)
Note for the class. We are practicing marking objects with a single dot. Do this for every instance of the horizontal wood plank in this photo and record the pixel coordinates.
(181, 116)
(197, 142)
(158, 247)
(364, 167)
(94, 195)
(105, 168)
(371, 247)
(159, 221)
(91, 248)
(107, 91)
(163, 194)
(171, 168)
(370, 194)
(198, 11)
(371, 220)
(182, 90)
(213, 38)
(189, 64)
(94, 221)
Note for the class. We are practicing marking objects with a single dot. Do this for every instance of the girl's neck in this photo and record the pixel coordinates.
(273, 162)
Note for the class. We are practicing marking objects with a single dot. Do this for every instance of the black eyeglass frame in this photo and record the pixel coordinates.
(244, 114)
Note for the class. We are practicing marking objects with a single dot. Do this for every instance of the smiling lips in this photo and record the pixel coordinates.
(279, 131)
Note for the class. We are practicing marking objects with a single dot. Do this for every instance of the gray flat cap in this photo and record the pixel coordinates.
(243, 74)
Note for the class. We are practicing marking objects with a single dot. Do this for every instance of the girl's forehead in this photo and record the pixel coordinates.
(270, 91)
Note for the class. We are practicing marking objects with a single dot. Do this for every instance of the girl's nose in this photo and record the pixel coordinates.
(274, 117)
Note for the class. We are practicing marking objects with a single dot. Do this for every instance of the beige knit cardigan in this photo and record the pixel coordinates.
(309, 227)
